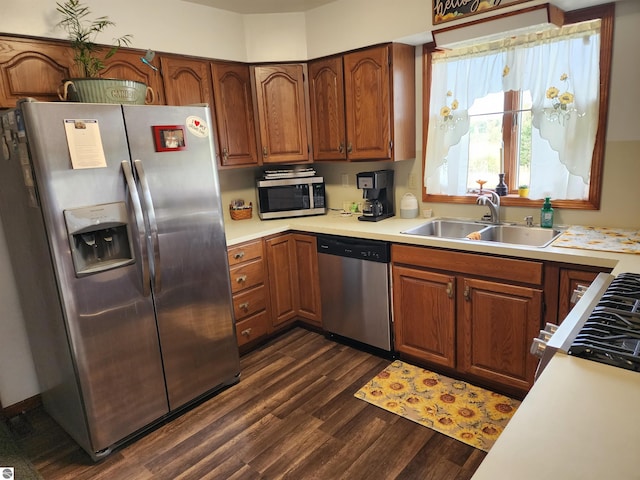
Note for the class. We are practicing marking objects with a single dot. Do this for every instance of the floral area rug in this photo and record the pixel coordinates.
(458, 409)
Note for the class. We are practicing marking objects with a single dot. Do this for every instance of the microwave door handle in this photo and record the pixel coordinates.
(139, 219)
(153, 225)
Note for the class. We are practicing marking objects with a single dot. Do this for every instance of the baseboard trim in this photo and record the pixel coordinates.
(30, 403)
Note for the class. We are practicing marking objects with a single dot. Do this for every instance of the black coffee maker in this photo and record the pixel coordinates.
(377, 190)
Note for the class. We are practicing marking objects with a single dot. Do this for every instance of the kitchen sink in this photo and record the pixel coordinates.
(512, 234)
(520, 235)
(446, 228)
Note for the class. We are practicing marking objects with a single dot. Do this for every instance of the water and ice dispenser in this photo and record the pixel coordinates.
(99, 237)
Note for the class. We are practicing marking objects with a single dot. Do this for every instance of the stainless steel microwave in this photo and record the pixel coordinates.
(290, 197)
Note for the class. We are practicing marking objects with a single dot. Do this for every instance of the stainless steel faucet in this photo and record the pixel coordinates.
(491, 200)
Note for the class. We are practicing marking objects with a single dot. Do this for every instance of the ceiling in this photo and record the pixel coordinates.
(263, 6)
(289, 6)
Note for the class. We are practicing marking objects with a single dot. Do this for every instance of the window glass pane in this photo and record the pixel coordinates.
(524, 136)
(485, 141)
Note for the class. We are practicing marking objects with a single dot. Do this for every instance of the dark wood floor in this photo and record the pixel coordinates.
(293, 415)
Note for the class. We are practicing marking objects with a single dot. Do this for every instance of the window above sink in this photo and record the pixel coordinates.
(517, 130)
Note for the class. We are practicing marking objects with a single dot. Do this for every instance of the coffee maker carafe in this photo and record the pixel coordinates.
(377, 190)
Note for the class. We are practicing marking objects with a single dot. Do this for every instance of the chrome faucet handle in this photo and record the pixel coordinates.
(529, 220)
(495, 197)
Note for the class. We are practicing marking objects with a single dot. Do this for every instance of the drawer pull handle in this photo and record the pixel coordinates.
(238, 255)
(246, 332)
(241, 279)
(244, 306)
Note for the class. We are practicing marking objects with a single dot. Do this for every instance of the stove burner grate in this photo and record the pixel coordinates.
(611, 334)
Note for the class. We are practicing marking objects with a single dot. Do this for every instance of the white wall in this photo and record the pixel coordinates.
(17, 375)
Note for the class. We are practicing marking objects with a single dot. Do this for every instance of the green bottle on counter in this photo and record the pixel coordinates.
(546, 214)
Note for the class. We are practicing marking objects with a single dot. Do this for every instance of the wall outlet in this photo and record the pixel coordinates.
(345, 179)
(412, 180)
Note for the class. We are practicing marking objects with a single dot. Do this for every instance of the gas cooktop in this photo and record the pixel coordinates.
(611, 333)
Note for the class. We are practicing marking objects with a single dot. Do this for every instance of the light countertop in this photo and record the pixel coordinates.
(333, 223)
(578, 421)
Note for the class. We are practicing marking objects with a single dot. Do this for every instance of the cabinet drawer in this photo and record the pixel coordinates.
(252, 328)
(513, 269)
(244, 252)
(247, 275)
(249, 302)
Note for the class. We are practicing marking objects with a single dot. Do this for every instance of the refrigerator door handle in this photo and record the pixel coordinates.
(153, 225)
(142, 233)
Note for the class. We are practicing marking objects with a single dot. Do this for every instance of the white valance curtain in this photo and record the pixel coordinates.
(560, 68)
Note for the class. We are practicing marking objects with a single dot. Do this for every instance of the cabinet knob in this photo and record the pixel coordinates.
(244, 306)
(225, 153)
(265, 153)
(450, 289)
(341, 147)
(467, 293)
(241, 279)
(238, 255)
(246, 332)
(349, 147)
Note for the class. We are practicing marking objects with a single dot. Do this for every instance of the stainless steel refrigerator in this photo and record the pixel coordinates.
(113, 219)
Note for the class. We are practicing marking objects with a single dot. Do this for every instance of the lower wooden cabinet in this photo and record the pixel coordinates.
(570, 281)
(309, 302)
(425, 315)
(480, 328)
(497, 323)
(250, 291)
(283, 286)
(274, 282)
(294, 279)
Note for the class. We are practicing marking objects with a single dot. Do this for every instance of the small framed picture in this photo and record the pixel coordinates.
(169, 138)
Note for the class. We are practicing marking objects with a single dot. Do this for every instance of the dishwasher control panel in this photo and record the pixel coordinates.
(373, 250)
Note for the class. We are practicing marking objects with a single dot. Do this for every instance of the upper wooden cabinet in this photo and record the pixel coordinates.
(234, 114)
(362, 104)
(127, 64)
(282, 113)
(226, 87)
(186, 81)
(32, 68)
(326, 100)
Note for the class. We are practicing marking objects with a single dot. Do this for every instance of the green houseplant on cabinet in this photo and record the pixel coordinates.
(90, 59)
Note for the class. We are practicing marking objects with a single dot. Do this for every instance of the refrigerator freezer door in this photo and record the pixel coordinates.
(110, 323)
(191, 281)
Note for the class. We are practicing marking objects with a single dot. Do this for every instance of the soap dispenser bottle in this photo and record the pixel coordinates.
(546, 214)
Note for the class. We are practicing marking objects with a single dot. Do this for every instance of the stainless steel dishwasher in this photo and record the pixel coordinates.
(354, 281)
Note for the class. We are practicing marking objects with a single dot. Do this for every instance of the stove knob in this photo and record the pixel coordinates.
(538, 347)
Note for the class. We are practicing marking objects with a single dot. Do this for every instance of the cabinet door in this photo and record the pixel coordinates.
(127, 64)
(308, 278)
(283, 286)
(326, 99)
(186, 81)
(31, 68)
(282, 113)
(497, 325)
(234, 114)
(424, 315)
(368, 104)
(570, 280)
